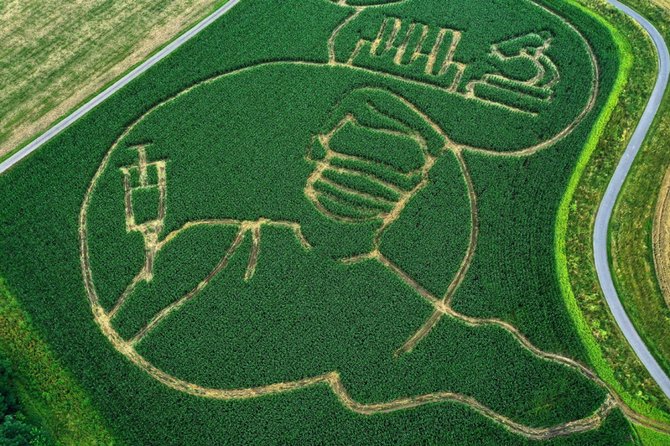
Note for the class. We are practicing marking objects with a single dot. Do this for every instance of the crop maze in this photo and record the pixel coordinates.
(348, 186)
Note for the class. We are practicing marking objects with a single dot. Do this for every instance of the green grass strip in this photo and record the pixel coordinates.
(648, 437)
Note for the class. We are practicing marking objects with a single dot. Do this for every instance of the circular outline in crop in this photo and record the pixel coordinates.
(332, 379)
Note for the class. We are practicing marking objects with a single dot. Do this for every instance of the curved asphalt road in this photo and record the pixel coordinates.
(81, 111)
(604, 213)
(600, 241)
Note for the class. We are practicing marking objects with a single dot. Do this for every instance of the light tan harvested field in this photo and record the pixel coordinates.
(55, 54)
(662, 3)
(661, 238)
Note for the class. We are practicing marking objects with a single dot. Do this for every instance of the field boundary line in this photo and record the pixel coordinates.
(632, 408)
(116, 86)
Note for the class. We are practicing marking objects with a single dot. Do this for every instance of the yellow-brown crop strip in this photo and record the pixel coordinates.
(661, 238)
(441, 305)
(57, 53)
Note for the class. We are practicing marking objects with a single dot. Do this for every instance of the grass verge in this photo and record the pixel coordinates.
(648, 437)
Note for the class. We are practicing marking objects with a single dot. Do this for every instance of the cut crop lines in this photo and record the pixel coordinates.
(394, 45)
(195, 291)
(333, 380)
(364, 188)
(442, 305)
(533, 92)
(595, 86)
(350, 186)
(398, 45)
(144, 217)
(245, 227)
(137, 177)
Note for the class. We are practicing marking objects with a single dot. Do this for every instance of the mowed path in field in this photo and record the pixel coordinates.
(55, 54)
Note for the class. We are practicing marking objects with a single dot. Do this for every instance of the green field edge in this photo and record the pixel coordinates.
(649, 437)
(594, 352)
(47, 391)
(25, 142)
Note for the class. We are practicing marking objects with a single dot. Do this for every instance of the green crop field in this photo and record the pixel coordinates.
(326, 222)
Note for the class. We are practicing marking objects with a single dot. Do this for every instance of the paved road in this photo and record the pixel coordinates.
(81, 111)
(600, 240)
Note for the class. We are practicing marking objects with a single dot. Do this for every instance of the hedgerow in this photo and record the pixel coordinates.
(15, 428)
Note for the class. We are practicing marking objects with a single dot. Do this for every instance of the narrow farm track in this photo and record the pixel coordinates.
(661, 238)
(600, 237)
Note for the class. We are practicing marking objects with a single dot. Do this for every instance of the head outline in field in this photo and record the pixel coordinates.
(103, 317)
(357, 10)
